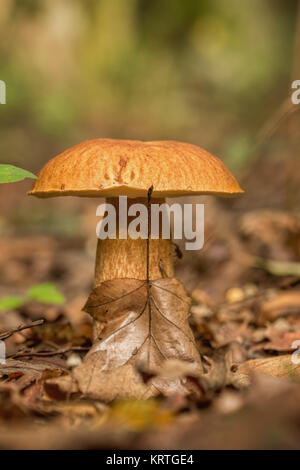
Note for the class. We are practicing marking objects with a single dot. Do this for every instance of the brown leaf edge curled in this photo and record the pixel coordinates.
(143, 323)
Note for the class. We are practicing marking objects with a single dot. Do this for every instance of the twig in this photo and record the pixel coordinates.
(48, 353)
(150, 190)
(274, 122)
(8, 334)
(287, 107)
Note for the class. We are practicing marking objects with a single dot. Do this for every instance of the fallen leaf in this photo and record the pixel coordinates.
(286, 303)
(23, 383)
(61, 388)
(22, 373)
(223, 364)
(175, 376)
(283, 343)
(123, 382)
(139, 322)
(140, 414)
(279, 366)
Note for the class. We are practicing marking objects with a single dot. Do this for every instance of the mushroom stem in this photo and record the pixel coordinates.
(127, 258)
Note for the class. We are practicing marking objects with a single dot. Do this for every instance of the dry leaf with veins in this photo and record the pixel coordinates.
(141, 323)
(279, 366)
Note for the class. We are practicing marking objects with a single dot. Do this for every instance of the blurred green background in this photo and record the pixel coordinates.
(210, 72)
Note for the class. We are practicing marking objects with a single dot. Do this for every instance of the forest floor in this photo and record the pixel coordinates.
(245, 317)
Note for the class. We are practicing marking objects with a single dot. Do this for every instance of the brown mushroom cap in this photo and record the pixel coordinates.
(108, 167)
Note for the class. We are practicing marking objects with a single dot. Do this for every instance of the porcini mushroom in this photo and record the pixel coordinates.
(140, 311)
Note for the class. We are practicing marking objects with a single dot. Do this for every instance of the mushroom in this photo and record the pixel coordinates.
(110, 168)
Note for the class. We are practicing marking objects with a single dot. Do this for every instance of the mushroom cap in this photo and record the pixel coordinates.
(108, 168)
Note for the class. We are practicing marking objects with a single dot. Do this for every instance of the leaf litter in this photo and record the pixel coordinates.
(243, 321)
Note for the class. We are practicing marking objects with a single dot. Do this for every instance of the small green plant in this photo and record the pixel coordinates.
(45, 293)
(12, 174)
(10, 303)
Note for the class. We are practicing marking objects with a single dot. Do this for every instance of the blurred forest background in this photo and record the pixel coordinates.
(210, 72)
(216, 73)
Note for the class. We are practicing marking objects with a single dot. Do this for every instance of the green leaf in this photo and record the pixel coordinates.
(46, 293)
(11, 174)
(10, 303)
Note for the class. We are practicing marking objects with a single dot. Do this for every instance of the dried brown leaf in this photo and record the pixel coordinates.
(283, 343)
(61, 388)
(22, 373)
(142, 323)
(222, 366)
(286, 303)
(279, 366)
